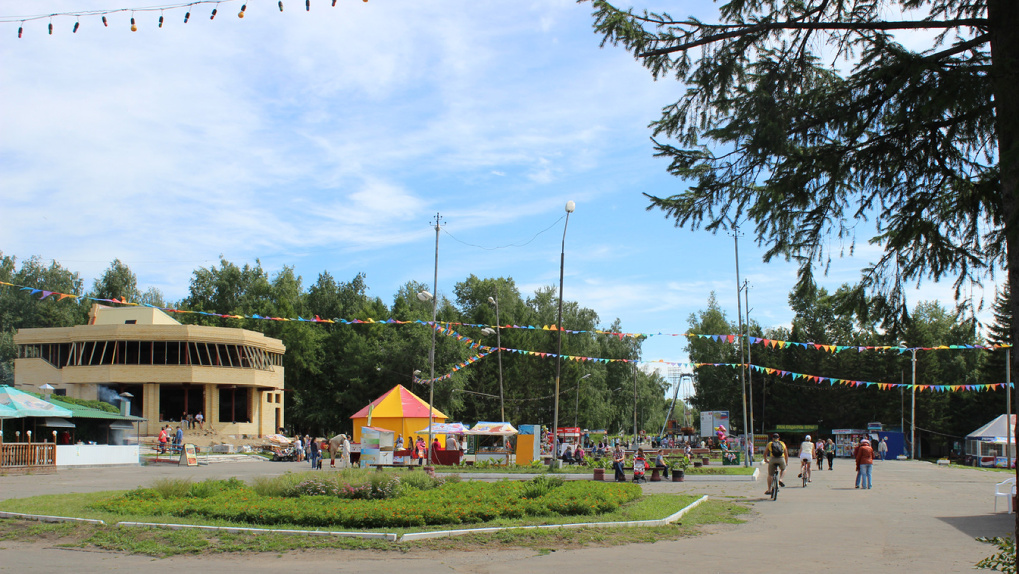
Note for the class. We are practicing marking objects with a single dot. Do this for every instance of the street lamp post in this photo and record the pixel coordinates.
(570, 206)
(912, 424)
(576, 407)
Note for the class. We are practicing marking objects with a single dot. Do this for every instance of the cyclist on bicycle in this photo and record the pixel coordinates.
(806, 458)
(776, 455)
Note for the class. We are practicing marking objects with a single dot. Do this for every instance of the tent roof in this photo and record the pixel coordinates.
(7, 412)
(993, 430)
(492, 429)
(27, 405)
(399, 402)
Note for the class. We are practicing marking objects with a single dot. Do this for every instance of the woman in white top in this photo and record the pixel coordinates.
(806, 457)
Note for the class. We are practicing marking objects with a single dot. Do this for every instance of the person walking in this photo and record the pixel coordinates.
(882, 449)
(829, 452)
(864, 464)
(819, 453)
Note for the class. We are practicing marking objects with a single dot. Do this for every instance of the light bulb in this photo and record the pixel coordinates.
(51, 28)
(213, 14)
(20, 30)
(133, 27)
(160, 20)
(187, 16)
(307, 5)
(243, 8)
(281, 5)
(105, 23)
(76, 24)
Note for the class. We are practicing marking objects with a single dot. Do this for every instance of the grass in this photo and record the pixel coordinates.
(721, 470)
(164, 542)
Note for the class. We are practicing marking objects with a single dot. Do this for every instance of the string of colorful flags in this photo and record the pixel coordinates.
(446, 329)
(773, 343)
(106, 16)
(820, 380)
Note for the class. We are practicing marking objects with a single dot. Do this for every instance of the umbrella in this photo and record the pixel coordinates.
(446, 428)
(26, 405)
(493, 429)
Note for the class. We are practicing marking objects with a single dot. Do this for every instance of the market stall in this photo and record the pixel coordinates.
(846, 438)
(447, 456)
(376, 446)
(491, 442)
(986, 445)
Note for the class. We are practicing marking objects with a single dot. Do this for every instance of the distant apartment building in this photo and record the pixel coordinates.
(234, 377)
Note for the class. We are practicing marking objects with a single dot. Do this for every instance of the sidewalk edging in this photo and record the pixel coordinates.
(46, 518)
(389, 537)
(633, 523)
(238, 530)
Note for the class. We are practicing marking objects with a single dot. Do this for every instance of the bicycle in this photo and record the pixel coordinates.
(805, 471)
(774, 484)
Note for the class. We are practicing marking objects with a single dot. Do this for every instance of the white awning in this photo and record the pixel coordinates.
(121, 425)
(57, 423)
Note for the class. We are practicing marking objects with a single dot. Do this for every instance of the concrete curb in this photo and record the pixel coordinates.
(237, 530)
(450, 533)
(45, 518)
(723, 478)
(494, 476)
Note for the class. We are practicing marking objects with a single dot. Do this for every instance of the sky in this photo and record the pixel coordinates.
(327, 140)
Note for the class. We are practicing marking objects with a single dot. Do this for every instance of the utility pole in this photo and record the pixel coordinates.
(739, 314)
(431, 355)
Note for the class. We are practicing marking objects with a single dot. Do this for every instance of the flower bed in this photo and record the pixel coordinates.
(318, 505)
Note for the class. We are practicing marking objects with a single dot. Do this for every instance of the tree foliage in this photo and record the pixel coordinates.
(333, 370)
(803, 118)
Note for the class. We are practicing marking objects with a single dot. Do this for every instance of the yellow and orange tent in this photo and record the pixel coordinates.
(400, 411)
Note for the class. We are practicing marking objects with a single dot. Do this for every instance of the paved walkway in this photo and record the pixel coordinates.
(918, 517)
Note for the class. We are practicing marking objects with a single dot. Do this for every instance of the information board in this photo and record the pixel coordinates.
(189, 455)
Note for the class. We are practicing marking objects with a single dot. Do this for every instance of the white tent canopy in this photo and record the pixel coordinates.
(991, 439)
(994, 431)
(492, 429)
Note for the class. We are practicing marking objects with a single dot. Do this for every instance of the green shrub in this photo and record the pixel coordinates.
(1003, 561)
(541, 485)
(451, 503)
(172, 487)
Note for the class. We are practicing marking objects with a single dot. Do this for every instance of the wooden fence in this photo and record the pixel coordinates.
(25, 456)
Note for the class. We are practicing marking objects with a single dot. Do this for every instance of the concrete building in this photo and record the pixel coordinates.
(234, 377)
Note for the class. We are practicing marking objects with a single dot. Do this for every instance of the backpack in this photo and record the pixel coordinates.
(776, 448)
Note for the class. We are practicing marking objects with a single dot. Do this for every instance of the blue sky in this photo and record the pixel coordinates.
(327, 140)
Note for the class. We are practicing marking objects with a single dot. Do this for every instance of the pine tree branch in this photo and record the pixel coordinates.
(742, 30)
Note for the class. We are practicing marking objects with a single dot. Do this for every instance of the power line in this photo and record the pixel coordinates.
(504, 246)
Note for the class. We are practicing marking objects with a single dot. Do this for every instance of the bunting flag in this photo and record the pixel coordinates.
(446, 329)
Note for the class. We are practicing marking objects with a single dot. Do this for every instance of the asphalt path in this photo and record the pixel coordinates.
(918, 517)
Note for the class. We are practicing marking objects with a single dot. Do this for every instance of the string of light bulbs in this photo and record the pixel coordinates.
(189, 7)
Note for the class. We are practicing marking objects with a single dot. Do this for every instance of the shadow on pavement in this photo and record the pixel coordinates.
(989, 525)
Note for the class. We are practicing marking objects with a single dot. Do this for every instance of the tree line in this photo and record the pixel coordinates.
(334, 370)
(833, 319)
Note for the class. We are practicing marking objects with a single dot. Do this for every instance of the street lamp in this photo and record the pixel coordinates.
(576, 407)
(912, 424)
(498, 343)
(570, 206)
